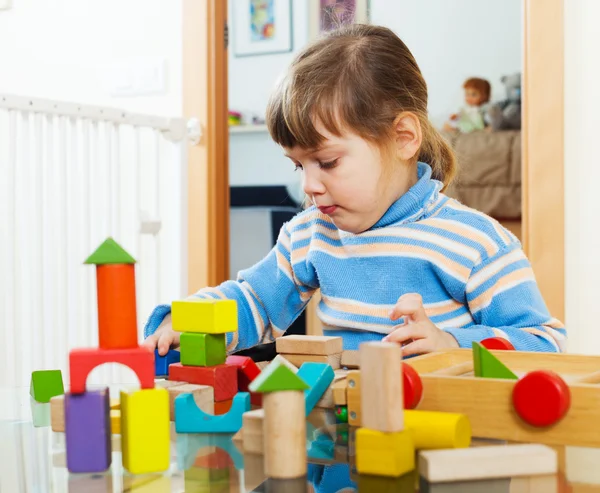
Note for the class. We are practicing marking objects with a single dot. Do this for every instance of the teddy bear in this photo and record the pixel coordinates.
(506, 114)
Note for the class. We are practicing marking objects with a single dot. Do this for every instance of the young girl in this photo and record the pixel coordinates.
(395, 258)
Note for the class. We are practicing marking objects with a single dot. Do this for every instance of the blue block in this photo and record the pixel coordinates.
(188, 445)
(321, 448)
(189, 418)
(161, 363)
(319, 377)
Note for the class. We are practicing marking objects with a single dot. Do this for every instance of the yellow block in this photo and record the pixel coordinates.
(204, 316)
(437, 430)
(145, 430)
(384, 454)
(115, 404)
(115, 421)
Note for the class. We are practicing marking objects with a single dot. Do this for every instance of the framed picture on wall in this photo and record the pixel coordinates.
(261, 27)
(326, 15)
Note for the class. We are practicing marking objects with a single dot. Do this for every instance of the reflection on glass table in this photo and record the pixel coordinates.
(33, 459)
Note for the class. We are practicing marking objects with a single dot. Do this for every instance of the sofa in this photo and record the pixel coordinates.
(489, 176)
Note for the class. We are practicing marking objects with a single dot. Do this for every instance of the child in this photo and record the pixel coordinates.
(395, 258)
(472, 116)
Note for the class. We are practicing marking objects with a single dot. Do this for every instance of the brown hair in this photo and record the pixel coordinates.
(359, 77)
(481, 85)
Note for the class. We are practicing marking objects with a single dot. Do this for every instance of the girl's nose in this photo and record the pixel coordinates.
(311, 182)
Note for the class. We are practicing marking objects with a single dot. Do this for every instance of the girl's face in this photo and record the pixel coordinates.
(345, 179)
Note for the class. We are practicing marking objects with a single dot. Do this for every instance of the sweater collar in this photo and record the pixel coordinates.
(415, 203)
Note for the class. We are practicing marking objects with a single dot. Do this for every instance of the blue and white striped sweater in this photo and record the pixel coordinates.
(471, 272)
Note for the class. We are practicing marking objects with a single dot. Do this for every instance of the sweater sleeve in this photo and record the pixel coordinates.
(505, 301)
(269, 298)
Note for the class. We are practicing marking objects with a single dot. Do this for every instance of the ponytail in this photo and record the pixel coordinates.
(436, 152)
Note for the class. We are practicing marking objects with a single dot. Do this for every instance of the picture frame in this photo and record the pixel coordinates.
(328, 14)
(261, 27)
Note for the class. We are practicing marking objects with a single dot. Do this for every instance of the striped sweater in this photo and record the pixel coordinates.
(471, 272)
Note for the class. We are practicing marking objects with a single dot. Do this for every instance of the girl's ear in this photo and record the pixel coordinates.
(408, 134)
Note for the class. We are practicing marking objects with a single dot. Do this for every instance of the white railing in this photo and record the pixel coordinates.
(70, 176)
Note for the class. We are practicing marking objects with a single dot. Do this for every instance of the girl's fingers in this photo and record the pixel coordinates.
(150, 342)
(409, 305)
(416, 347)
(404, 333)
(164, 343)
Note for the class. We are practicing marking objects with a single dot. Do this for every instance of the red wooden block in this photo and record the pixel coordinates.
(247, 370)
(223, 407)
(412, 386)
(256, 399)
(497, 343)
(83, 361)
(541, 398)
(223, 378)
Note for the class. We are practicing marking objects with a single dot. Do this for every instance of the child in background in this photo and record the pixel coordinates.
(472, 116)
(394, 257)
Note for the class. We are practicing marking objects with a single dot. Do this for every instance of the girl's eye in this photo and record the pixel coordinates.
(328, 165)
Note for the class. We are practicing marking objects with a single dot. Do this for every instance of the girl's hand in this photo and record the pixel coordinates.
(164, 338)
(418, 332)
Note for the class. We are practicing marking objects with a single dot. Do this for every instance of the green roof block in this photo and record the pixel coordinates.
(486, 365)
(277, 376)
(45, 384)
(110, 252)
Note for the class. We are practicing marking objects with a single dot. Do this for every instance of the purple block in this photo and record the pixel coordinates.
(87, 427)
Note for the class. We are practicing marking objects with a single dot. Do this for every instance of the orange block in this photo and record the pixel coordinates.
(117, 322)
(223, 407)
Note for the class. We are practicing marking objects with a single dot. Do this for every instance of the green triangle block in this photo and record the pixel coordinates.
(277, 376)
(110, 252)
(486, 365)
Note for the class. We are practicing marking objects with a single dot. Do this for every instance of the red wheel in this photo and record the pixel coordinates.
(497, 343)
(411, 386)
(541, 398)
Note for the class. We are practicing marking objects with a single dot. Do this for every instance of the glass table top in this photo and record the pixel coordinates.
(33, 459)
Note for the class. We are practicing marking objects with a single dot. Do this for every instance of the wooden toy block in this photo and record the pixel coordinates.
(284, 445)
(40, 413)
(315, 345)
(110, 252)
(161, 363)
(45, 384)
(353, 397)
(82, 361)
(412, 387)
(252, 438)
(485, 365)
(223, 407)
(333, 360)
(435, 430)
(327, 401)
(167, 384)
(382, 400)
(496, 461)
(145, 430)
(492, 413)
(247, 370)
(254, 471)
(204, 397)
(403, 484)
(339, 389)
(57, 413)
(115, 403)
(541, 398)
(498, 343)
(115, 421)
(384, 454)
(189, 445)
(205, 316)
(190, 419)
(202, 349)
(117, 315)
(223, 378)
(87, 430)
(318, 377)
(277, 376)
(350, 359)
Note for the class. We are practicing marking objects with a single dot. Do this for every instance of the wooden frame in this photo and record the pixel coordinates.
(205, 98)
(543, 229)
(450, 386)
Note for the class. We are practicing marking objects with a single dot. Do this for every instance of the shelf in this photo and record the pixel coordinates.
(242, 129)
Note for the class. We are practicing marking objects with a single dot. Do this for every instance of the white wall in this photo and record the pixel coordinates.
(68, 49)
(451, 40)
(582, 175)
